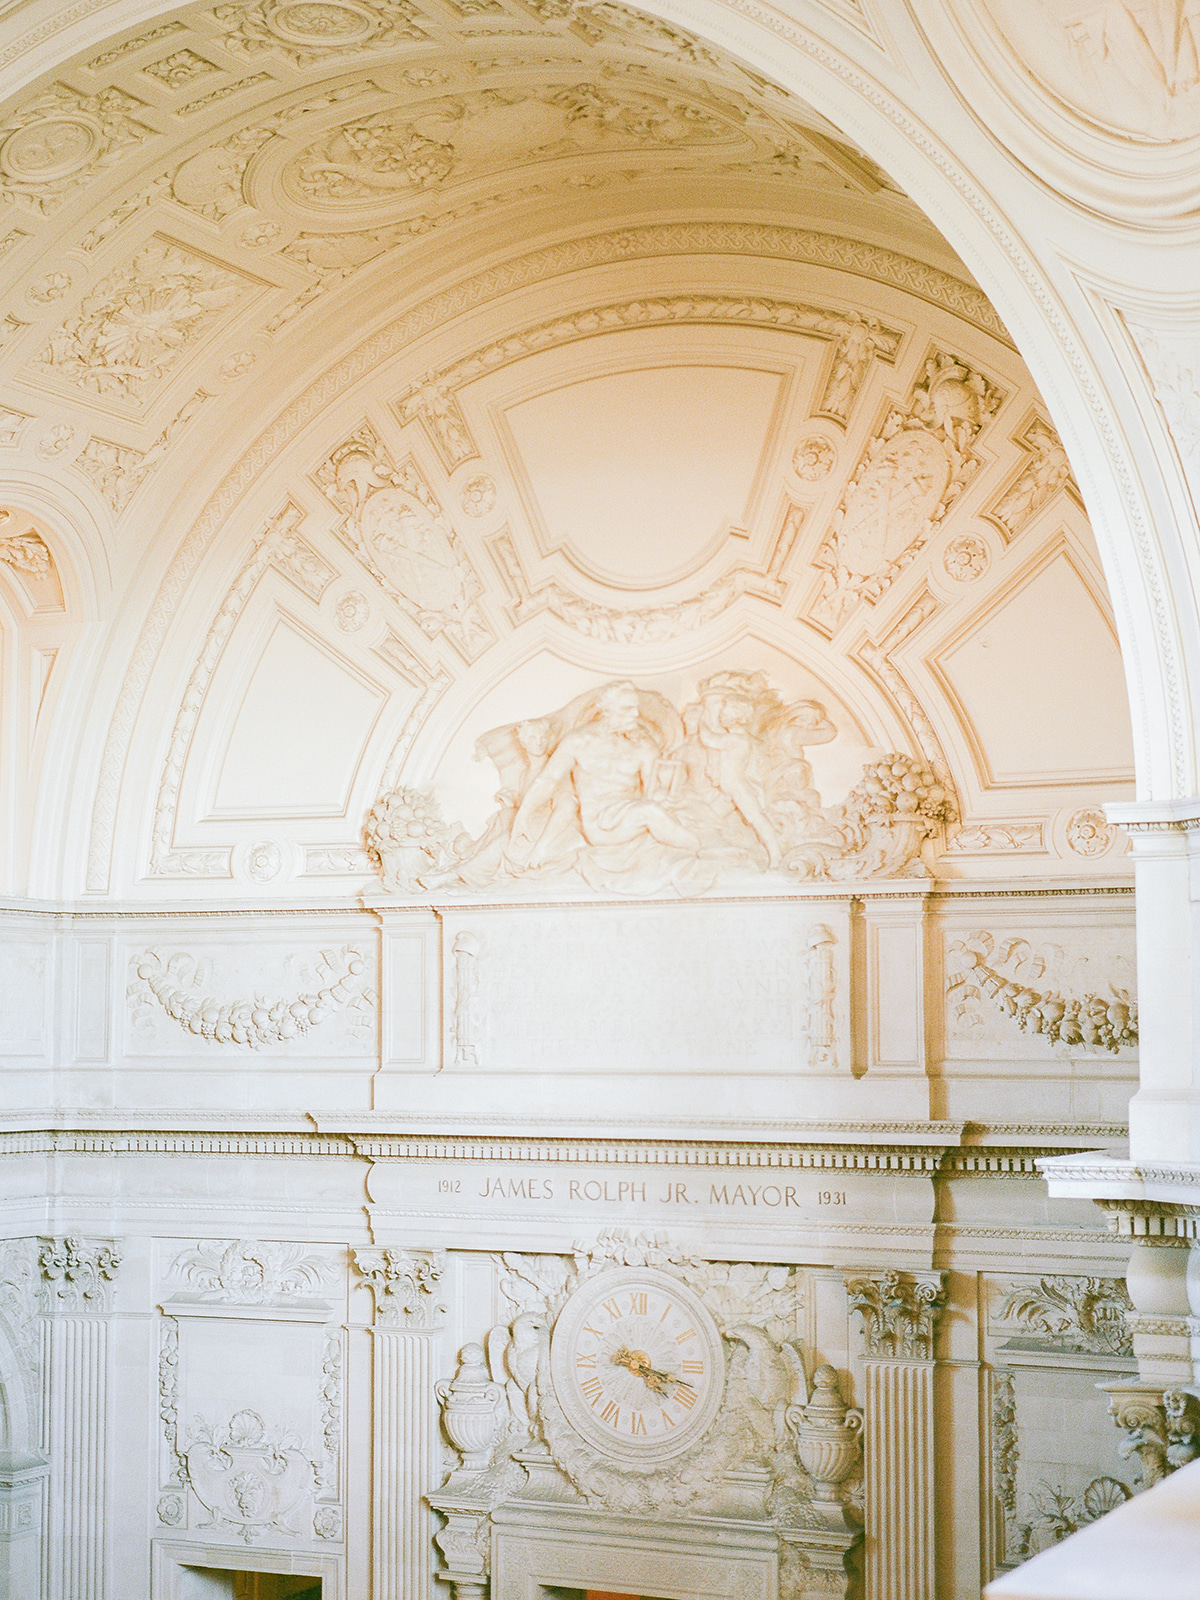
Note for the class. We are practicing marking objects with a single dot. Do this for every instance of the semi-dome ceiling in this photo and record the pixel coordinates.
(375, 376)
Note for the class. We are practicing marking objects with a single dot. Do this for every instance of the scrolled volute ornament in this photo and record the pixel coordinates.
(471, 1409)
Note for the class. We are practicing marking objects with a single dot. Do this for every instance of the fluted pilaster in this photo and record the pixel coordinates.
(898, 1311)
(76, 1295)
(406, 1451)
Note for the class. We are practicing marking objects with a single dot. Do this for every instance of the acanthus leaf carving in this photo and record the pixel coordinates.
(62, 139)
(898, 1310)
(26, 552)
(911, 472)
(312, 31)
(78, 1275)
(250, 1272)
(1161, 1427)
(134, 327)
(405, 1285)
(174, 981)
(1106, 1022)
(1073, 1314)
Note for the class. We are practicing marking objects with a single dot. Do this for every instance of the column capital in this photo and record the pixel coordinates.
(77, 1275)
(405, 1285)
(1142, 817)
(898, 1311)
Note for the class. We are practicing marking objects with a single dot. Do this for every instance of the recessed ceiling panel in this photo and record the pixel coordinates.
(298, 735)
(635, 474)
(1039, 687)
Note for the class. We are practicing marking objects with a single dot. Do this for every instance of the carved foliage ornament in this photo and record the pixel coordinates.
(304, 31)
(248, 1478)
(133, 328)
(60, 140)
(1074, 1314)
(1107, 1022)
(25, 552)
(174, 982)
(78, 1274)
(681, 1417)
(399, 532)
(620, 790)
(405, 1286)
(898, 1311)
(250, 1272)
(913, 469)
(1161, 1427)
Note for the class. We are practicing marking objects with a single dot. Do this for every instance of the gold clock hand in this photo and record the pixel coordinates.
(638, 1362)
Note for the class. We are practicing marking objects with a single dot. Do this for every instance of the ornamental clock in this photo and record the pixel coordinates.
(638, 1366)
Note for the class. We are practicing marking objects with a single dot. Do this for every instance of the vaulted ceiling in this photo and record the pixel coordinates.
(377, 374)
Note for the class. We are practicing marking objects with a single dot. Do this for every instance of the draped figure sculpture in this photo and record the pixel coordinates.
(622, 791)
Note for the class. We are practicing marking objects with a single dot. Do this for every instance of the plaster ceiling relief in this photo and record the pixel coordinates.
(1128, 66)
(27, 562)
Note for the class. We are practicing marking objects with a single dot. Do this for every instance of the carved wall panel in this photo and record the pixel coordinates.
(1064, 989)
(644, 990)
(193, 998)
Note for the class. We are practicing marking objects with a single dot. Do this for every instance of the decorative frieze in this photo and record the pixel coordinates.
(251, 1272)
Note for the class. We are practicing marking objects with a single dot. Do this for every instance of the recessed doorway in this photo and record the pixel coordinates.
(216, 1583)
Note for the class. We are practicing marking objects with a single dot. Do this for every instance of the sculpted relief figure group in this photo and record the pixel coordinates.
(621, 790)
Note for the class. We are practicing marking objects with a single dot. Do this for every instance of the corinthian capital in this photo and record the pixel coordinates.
(898, 1311)
(77, 1275)
(405, 1286)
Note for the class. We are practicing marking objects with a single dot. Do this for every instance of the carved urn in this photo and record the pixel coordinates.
(470, 1405)
(827, 1436)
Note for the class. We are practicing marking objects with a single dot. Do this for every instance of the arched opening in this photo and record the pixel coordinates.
(605, 666)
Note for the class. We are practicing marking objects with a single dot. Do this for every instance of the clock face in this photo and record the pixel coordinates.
(637, 1364)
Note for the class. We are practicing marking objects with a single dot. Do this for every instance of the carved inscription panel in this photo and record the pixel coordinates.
(744, 989)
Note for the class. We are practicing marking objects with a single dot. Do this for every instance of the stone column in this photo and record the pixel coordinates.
(898, 1311)
(406, 1452)
(76, 1300)
(1164, 1114)
(1157, 1412)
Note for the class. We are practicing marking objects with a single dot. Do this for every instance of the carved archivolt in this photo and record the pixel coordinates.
(174, 981)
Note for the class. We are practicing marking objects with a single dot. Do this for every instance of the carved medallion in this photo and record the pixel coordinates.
(44, 151)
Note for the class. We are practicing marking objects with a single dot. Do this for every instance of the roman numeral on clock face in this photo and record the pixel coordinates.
(693, 1366)
(611, 1413)
(593, 1389)
(637, 1422)
(637, 1305)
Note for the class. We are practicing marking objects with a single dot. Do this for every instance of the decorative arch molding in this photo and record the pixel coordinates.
(565, 262)
(901, 99)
